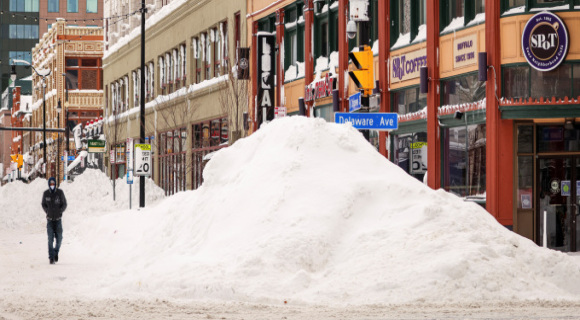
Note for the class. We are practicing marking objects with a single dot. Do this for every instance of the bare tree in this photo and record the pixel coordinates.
(233, 100)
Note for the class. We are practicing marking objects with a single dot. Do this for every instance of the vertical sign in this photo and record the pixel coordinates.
(265, 75)
(129, 151)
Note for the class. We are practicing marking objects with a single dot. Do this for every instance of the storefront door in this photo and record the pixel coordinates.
(558, 199)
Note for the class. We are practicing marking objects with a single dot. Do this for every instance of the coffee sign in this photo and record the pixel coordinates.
(406, 66)
(545, 41)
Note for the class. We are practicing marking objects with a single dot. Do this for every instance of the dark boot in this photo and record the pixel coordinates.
(51, 261)
(56, 258)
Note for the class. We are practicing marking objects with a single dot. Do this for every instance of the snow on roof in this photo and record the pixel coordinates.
(151, 21)
(160, 99)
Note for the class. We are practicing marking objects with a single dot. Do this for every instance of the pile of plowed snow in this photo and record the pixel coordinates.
(90, 194)
(309, 212)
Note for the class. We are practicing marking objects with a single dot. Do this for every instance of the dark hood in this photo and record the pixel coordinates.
(51, 179)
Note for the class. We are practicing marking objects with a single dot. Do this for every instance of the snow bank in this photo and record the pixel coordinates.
(319, 217)
(91, 194)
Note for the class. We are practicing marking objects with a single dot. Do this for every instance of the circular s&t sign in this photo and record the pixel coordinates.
(545, 41)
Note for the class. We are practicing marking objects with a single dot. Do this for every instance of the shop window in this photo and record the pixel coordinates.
(208, 137)
(555, 83)
(464, 159)
(465, 89)
(324, 112)
(524, 82)
(410, 153)
(516, 82)
(293, 35)
(408, 101)
(409, 17)
(557, 138)
(456, 14)
(172, 160)
(576, 81)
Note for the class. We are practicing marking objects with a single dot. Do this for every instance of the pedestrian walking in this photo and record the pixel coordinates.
(54, 204)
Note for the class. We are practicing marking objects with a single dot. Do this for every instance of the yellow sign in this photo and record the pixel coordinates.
(17, 158)
(143, 146)
(363, 77)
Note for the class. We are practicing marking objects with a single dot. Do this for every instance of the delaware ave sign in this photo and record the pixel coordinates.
(369, 121)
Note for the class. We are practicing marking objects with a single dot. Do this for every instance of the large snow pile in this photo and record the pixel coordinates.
(91, 194)
(309, 212)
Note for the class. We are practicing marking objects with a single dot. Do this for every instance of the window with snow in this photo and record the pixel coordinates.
(217, 53)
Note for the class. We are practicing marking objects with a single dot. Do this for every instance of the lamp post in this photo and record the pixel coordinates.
(41, 73)
(58, 110)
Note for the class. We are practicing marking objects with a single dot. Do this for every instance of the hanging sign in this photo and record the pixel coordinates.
(545, 41)
(96, 146)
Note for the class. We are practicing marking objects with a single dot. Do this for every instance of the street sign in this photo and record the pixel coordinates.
(129, 150)
(143, 160)
(369, 121)
(96, 146)
(112, 155)
(354, 102)
(359, 10)
(130, 177)
(279, 112)
(69, 158)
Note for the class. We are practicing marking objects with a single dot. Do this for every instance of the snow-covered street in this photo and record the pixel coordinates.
(279, 230)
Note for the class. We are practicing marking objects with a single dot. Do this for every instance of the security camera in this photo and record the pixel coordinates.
(351, 29)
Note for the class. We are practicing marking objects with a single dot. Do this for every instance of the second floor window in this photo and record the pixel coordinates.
(92, 6)
(53, 5)
(23, 31)
(72, 6)
(84, 74)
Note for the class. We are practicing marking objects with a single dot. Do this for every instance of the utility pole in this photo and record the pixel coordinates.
(142, 100)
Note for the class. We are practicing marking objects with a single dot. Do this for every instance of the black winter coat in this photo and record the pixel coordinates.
(54, 204)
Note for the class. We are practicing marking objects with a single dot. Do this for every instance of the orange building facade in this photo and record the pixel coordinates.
(501, 132)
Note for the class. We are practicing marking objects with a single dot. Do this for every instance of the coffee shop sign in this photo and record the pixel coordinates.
(320, 88)
(407, 66)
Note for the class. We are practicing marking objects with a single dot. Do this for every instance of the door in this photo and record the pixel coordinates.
(558, 202)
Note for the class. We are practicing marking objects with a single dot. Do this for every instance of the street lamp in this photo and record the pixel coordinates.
(58, 110)
(41, 73)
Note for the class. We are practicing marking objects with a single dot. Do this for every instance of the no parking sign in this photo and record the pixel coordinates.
(143, 160)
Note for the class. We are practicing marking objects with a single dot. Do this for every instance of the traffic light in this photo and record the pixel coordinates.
(363, 77)
(17, 158)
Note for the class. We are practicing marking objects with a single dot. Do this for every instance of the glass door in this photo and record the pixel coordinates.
(557, 202)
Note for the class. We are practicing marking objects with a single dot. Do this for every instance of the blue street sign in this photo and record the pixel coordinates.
(369, 121)
(354, 102)
(70, 158)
